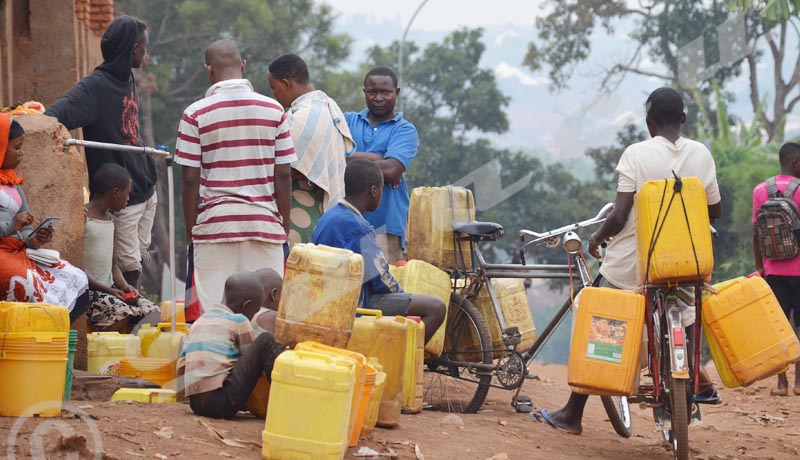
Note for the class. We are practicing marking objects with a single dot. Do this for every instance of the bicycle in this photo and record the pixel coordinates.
(459, 379)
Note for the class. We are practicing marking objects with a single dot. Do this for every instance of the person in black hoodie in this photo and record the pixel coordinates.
(106, 105)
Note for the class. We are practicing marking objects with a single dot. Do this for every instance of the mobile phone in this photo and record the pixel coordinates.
(130, 295)
(50, 222)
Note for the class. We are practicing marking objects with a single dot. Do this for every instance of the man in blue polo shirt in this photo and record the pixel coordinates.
(387, 139)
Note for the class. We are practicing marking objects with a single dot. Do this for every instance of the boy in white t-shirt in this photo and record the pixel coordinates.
(652, 159)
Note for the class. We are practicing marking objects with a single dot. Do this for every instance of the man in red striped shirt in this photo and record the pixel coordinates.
(235, 149)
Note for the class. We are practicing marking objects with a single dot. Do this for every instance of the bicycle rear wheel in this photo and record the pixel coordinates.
(619, 414)
(679, 410)
(450, 383)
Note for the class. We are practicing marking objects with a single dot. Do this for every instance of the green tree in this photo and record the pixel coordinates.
(770, 9)
(663, 31)
(455, 103)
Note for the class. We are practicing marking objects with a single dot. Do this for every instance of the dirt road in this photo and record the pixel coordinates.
(750, 424)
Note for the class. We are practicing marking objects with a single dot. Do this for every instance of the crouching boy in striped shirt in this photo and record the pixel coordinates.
(222, 358)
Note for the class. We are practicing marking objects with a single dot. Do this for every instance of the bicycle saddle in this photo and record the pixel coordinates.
(478, 231)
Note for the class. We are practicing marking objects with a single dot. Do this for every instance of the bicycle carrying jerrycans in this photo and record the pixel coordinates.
(310, 400)
(513, 301)
(751, 330)
(431, 213)
(672, 232)
(384, 338)
(606, 341)
(319, 296)
(419, 277)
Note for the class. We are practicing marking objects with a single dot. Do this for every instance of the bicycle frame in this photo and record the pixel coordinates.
(483, 272)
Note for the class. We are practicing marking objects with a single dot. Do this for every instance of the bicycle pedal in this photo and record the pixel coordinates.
(522, 404)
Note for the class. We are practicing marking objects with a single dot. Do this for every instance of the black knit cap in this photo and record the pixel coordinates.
(15, 130)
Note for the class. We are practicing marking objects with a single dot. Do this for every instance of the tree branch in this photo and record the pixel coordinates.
(792, 103)
(187, 83)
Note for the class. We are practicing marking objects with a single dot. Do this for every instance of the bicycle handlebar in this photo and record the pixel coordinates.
(599, 218)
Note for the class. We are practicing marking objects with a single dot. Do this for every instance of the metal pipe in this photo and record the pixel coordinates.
(525, 267)
(510, 274)
(158, 153)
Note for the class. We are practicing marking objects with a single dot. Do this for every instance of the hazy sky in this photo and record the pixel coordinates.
(445, 14)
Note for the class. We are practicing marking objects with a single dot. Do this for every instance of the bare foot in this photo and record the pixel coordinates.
(781, 392)
(796, 390)
(556, 419)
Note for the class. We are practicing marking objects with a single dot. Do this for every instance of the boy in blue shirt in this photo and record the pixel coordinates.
(344, 226)
(384, 137)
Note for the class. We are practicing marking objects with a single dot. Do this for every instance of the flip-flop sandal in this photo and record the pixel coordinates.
(708, 397)
(542, 416)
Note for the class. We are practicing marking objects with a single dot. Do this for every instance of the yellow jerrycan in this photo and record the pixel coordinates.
(310, 400)
(415, 357)
(106, 349)
(32, 373)
(672, 232)
(353, 425)
(145, 395)
(371, 415)
(419, 277)
(33, 317)
(604, 352)
(431, 213)
(320, 295)
(747, 307)
(513, 301)
(166, 311)
(381, 337)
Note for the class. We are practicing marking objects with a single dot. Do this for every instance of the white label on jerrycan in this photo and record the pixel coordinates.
(606, 339)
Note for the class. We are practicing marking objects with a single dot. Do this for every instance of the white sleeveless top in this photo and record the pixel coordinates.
(98, 249)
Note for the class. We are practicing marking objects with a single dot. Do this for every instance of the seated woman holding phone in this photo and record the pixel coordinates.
(27, 273)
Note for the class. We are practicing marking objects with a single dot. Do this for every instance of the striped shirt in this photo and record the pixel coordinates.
(236, 137)
(215, 342)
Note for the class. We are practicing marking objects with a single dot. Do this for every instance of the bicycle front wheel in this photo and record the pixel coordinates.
(619, 414)
(459, 379)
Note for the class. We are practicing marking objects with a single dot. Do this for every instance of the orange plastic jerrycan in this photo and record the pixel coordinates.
(604, 352)
(371, 415)
(381, 337)
(319, 295)
(747, 307)
(673, 239)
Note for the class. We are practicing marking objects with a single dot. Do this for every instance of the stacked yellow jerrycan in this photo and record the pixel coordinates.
(310, 400)
(371, 416)
(604, 352)
(319, 295)
(33, 359)
(106, 349)
(166, 311)
(145, 395)
(415, 357)
(419, 277)
(672, 232)
(382, 337)
(160, 342)
(513, 301)
(431, 213)
(360, 361)
(750, 329)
